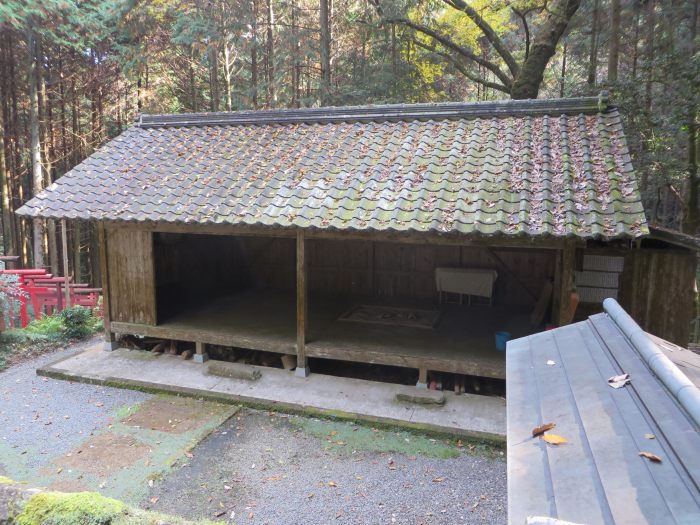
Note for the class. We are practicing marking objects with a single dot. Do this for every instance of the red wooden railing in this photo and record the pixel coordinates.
(46, 294)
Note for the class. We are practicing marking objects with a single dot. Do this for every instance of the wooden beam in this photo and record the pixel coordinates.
(302, 369)
(110, 340)
(64, 246)
(566, 286)
(408, 237)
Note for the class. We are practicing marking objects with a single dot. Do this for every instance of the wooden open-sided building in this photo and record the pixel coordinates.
(319, 232)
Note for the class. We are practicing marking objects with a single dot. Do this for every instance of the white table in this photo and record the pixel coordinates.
(466, 281)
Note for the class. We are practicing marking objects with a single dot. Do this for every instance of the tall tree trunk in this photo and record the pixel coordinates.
(325, 52)
(254, 53)
(530, 75)
(635, 44)
(35, 150)
(64, 140)
(45, 141)
(7, 234)
(693, 216)
(213, 77)
(271, 93)
(563, 70)
(651, 28)
(296, 51)
(94, 254)
(77, 265)
(614, 46)
(228, 73)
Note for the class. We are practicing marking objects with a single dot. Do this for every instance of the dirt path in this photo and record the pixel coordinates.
(269, 468)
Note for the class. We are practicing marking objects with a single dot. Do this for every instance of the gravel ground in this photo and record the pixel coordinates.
(42, 418)
(267, 468)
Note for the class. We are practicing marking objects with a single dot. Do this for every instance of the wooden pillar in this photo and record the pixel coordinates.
(64, 246)
(422, 378)
(302, 369)
(110, 341)
(201, 355)
(566, 282)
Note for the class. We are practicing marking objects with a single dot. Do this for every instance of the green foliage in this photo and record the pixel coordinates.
(77, 322)
(88, 508)
(83, 508)
(45, 334)
(49, 327)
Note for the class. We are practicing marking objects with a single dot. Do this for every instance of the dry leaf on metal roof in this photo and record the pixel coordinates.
(553, 439)
(651, 457)
(619, 381)
(649, 436)
(538, 431)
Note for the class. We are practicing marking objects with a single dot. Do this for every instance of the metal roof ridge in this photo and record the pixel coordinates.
(382, 113)
(682, 388)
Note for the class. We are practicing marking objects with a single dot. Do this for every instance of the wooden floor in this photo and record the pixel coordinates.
(461, 342)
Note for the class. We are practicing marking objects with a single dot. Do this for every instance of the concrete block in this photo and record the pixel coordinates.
(302, 372)
(420, 396)
(110, 346)
(234, 370)
(200, 358)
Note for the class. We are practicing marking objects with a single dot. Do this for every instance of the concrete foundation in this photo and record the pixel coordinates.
(353, 399)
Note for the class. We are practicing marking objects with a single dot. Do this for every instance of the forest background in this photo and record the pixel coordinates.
(74, 74)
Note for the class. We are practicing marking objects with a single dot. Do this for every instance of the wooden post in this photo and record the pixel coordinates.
(110, 341)
(566, 284)
(302, 369)
(422, 378)
(201, 355)
(64, 245)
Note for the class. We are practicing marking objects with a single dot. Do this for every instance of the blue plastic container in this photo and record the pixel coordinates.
(501, 340)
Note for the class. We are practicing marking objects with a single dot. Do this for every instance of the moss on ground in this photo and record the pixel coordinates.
(82, 508)
(88, 508)
(342, 436)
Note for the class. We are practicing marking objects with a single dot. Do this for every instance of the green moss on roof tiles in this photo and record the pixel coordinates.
(558, 168)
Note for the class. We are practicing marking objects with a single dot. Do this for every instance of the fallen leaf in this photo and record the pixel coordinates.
(59, 470)
(189, 454)
(332, 484)
(154, 500)
(619, 381)
(219, 514)
(99, 405)
(553, 439)
(250, 516)
(538, 431)
(651, 457)
(649, 436)
(438, 480)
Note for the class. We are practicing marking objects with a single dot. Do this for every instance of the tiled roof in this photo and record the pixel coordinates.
(557, 167)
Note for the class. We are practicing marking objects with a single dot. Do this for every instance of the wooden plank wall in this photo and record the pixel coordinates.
(395, 270)
(132, 295)
(389, 270)
(657, 290)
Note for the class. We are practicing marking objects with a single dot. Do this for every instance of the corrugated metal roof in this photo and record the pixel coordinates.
(538, 167)
(598, 476)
